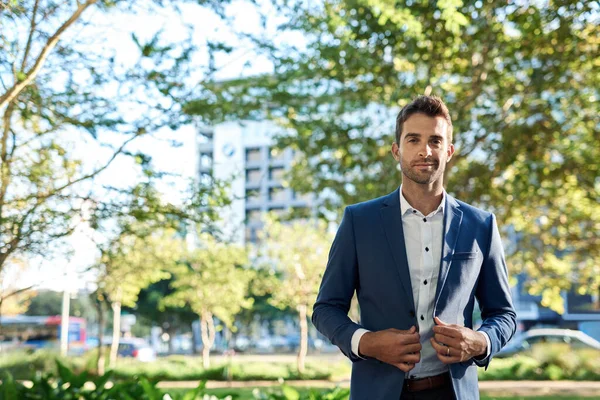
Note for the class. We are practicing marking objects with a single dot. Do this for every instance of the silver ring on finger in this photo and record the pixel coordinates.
(447, 351)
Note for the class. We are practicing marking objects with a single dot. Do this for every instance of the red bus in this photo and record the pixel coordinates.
(41, 331)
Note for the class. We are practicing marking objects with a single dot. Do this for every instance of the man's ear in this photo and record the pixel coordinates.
(450, 151)
(396, 151)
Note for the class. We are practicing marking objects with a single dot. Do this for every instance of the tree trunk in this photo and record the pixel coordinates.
(116, 307)
(303, 338)
(207, 330)
(100, 361)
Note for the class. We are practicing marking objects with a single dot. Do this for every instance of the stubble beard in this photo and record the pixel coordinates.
(422, 178)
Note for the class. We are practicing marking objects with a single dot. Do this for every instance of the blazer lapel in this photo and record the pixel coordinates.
(452, 221)
(392, 223)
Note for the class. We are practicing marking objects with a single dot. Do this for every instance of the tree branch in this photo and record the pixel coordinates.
(55, 191)
(5, 167)
(30, 38)
(16, 292)
(50, 43)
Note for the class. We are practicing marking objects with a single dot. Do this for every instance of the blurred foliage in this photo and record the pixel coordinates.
(520, 79)
(64, 92)
(213, 281)
(130, 263)
(150, 311)
(49, 302)
(296, 253)
(546, 362)
(66, 384)
(26, 365)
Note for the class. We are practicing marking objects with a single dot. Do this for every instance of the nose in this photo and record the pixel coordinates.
(425, 151)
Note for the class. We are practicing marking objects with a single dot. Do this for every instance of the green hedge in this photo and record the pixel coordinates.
(66, 384)
(546, 362)
(26, 366)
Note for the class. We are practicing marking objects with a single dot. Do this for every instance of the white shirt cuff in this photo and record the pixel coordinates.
(356, 340)
(489, 344)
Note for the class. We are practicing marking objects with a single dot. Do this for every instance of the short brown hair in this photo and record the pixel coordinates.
(431, 106)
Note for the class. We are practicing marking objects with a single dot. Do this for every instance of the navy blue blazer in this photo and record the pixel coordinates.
(368, 256)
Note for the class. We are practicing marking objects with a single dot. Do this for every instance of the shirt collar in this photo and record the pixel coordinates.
(406, 207)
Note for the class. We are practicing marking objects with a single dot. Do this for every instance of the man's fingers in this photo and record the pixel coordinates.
(404, 366)
(438, 321)
(412, 348)
(439, 348)
(410, 358)
(445, 354)
(446, 330)
(409, 339)
(447, 340)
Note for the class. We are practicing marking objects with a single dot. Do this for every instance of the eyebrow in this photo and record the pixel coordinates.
(418, 135)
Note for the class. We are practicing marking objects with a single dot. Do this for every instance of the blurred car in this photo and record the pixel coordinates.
(136, 348)
(241, 344)
(575, 339)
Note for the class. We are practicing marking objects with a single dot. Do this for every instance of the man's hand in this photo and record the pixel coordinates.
(455, 343)
(393, 346)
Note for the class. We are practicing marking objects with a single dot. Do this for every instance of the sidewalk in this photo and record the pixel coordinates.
(499, 388)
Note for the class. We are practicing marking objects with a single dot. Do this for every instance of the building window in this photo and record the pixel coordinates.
(276, 174)
(253, 176)
(253, 215)
(250, 234)
(253, 155)
(276, 154)
(277, 211)
(277, 194)
(205, 179)
(205, 160)
(253, 196)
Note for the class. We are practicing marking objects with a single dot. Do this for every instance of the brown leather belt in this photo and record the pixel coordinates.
(430, 382)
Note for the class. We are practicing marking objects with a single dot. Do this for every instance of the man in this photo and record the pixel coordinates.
(417, 259)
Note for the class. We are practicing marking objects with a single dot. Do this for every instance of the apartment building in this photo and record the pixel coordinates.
(243, 153)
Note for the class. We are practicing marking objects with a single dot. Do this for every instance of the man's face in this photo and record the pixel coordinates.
(424, 148)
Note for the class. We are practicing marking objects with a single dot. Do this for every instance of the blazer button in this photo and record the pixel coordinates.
(412, 313)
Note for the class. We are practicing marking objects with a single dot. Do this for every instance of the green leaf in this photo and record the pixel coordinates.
(290, 393)
(66, 375)
(193, 394)
(149, 389)
(9, 387)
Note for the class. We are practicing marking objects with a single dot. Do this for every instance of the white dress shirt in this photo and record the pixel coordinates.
(423, 238)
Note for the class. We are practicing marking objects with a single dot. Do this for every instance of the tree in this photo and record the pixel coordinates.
(213, 280)
(14, 296)
(131, 263)
(64, 91)
(298, 252)
(521, 82)
(49, 302)
(150, 311)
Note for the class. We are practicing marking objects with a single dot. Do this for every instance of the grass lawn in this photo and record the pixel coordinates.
(246, 394)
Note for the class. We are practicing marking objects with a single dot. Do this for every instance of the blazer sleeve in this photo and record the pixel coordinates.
(330, 312)
(493, 294)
